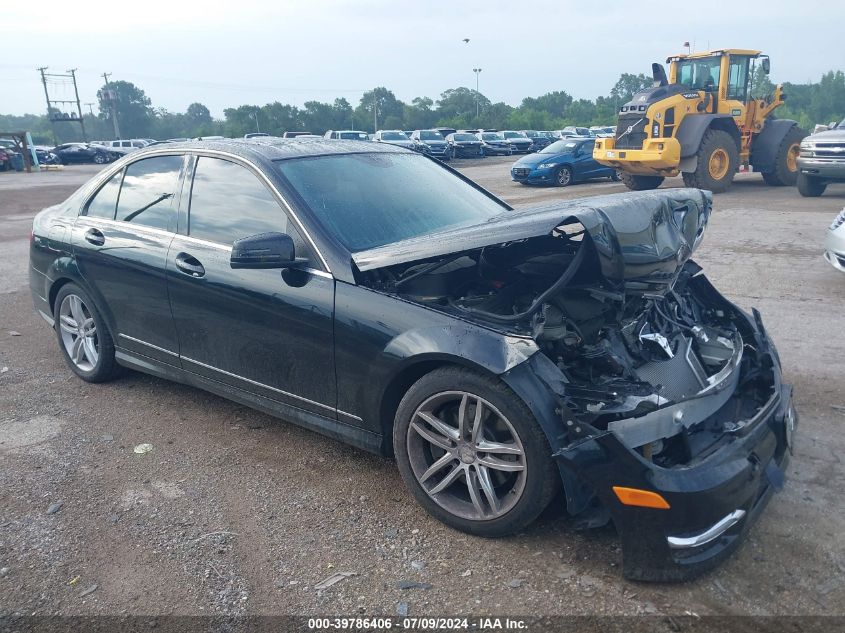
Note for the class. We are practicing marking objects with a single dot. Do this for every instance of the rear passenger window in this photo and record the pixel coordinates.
(228, 202)
(148, 192)
(104, 202)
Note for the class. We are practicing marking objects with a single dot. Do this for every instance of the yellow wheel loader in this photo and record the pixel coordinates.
(703, 122)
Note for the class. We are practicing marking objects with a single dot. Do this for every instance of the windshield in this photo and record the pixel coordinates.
(355, 136)
(490, 136)
(369, 200)
(464, 137)
(393, 136)
(559, 147)
(699, 74)
(431, 135)
(514, 135)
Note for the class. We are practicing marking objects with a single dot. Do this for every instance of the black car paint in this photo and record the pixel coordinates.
(81, 153)
(464, 148)
(378, 343)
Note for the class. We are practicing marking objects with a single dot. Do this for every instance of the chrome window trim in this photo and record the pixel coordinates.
(280, 391)
(150, 345)
(122, 224)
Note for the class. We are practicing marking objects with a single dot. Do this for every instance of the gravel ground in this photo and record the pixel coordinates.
(235, 513)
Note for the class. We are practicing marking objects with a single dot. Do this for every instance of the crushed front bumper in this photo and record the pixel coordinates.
(711, 503)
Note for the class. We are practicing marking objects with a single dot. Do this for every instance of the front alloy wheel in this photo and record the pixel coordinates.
(466, 455)
(563, 177)
(472, 454)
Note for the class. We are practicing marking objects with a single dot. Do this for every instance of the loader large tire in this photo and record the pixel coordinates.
(718, 160)
(640, 183)
(785, 173)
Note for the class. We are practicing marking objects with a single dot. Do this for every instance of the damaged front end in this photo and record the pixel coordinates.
(652, 382)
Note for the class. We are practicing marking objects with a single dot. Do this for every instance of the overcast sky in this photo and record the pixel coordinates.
(228, 54)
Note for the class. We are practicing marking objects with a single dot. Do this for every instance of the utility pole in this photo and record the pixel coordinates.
(49, 107)
(90, 105)
(55, 113)
(255, 116)
(375, 112)
(78, 106)
(110, 96)
(477, 72)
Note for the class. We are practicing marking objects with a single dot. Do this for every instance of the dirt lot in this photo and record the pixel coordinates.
(234, 512)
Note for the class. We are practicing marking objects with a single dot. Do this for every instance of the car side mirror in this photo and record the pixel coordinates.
(265, 250)
(833, 125)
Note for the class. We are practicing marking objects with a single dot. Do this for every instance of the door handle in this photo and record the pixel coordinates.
(189, 265)
(95, 237)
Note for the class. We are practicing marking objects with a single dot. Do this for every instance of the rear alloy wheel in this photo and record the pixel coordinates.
(100, 159)
(83, 337)
(640, 183)
(810, 187)
(472, 454)
(563, 176)
(718, 160)
(785, 173)
(616, 176)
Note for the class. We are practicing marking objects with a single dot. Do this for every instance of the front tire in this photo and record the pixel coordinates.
(810, 187)
(785, 173)
(84, 339)
(640, 183)
(718, 160)
(472, 454)
(563, 176)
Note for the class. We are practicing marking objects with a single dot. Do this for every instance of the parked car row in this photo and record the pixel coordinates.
(446, 143)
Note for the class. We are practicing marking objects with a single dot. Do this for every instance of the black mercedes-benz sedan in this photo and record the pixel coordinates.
(373, 294)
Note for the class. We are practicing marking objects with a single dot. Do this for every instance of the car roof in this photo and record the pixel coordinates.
(272, 148)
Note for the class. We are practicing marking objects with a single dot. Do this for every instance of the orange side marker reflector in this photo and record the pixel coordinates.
(641, 498)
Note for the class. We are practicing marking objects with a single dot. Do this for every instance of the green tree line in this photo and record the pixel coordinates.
(461, 107)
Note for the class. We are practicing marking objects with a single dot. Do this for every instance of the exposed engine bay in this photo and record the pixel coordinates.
(660, 359)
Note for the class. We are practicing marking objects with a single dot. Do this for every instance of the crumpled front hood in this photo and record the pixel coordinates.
(645, 236)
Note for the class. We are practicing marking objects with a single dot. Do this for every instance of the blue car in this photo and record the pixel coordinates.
(561, 163)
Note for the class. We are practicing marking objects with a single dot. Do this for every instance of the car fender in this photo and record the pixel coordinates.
(462, 343)
(765, 146)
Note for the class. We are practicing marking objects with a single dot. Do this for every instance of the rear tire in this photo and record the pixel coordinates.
(810, 187)
(640, 183)
(616, 176)
(521, 494)
(785, 173)
(84, 339)
(718, 161)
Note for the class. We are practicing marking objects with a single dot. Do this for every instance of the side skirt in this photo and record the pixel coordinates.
(358, 437)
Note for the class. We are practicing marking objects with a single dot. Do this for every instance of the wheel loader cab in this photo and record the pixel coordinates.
(703, 122)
